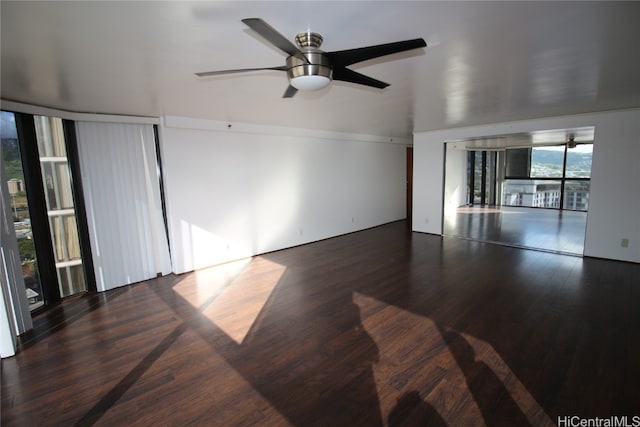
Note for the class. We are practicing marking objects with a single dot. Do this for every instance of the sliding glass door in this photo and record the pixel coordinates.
(38, 168)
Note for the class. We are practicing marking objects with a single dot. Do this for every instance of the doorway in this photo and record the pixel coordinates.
(409, 194)
(37, 164)
(525, 190)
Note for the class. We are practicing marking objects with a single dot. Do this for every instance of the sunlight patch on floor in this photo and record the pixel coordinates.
(199, 287)
(486, 353)
(407, 367)
(237, 308)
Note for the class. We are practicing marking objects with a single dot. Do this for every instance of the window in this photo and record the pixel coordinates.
(579, 161)
(576, 195)
(56, 178)
(547, 162)
(556, 177)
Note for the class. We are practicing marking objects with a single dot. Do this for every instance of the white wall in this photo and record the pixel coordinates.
(614, 203)
(455, 191)
(240, 191)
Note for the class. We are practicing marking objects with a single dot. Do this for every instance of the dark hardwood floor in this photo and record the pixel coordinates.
(533, 228)
(379, 327)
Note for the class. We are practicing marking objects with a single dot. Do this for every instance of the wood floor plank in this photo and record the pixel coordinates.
(379, 327)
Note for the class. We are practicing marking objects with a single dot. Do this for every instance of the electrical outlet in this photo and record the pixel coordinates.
(624, 243)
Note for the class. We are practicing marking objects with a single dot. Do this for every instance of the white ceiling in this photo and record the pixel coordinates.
(485, 61)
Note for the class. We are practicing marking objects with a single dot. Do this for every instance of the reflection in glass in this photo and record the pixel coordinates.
(71, 278)
(57, 183)
(56, 178)
(65, 238)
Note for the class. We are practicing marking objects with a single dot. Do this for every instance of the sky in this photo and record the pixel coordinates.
(7, 125)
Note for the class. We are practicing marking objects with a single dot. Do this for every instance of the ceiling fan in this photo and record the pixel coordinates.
(309, 68)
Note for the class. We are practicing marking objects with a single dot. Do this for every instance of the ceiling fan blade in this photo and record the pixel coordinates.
(347, 75)
(290, 92)
(274, 37)
(240, 70)
(343, 58)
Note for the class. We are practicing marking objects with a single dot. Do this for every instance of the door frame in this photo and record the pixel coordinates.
(409, 171)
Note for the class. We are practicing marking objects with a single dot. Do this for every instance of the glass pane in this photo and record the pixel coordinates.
(531, 193)
(65, 194)
(77, 279)
(518, 163)
(50, 135)
(547, 162)
(20, 207)
(65, 238)
(60, 207)
(576, 195)
(477, 182)
(579, 161)
(57, 184)
(63, 282)
(71, 280)
(470, 156)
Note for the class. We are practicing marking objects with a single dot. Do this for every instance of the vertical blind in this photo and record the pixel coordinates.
(122, 196)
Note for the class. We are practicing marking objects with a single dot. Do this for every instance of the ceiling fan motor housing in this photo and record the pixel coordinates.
(318, 65)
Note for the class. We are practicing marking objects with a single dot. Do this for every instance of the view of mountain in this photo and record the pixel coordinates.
(548, 163)
(11, 157)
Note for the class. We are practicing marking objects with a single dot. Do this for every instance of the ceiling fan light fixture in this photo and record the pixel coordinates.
(310, 82)
(314, 75)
